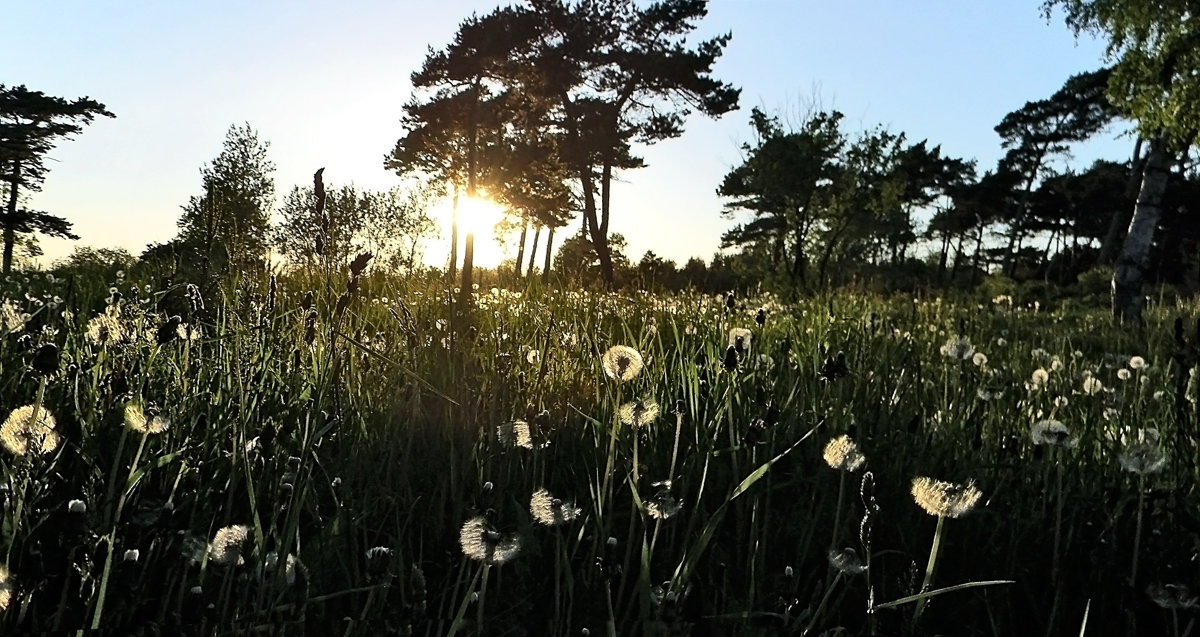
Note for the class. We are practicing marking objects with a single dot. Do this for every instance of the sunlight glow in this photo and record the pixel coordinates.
(478, 215)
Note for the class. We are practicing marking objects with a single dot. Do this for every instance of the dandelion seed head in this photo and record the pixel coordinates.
(106, 329)
(1172, 596)
(132, 555)
(638, 413)
(945, 499)
(226, 546)
(843, 454)
(483, 544)
(846, 561)
(739, 338)
(1092, 386)
(1137, 363)
(77, 506)
(622, 363)
(7, 586)
(1052, 433)
(551, 511)
(979, 359)
(958, 348)
(1124, 374)
(20, 435)
(1143, 457)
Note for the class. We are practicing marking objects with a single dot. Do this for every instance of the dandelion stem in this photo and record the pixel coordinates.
(1137, 534)
(837, 512)
(1057, 519)
(929, 568)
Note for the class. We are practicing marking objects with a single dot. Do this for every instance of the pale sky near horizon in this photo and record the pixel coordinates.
(324, 83)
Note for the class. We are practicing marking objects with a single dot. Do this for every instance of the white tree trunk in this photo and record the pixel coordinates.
(1131, 264)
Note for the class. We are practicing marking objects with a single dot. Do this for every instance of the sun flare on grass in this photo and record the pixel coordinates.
(477, 215)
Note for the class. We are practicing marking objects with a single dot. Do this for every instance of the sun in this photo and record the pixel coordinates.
(476, 215)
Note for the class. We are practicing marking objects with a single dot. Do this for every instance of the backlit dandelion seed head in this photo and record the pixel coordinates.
(1172, 596)
(482, 543)
(21, 436)
(1143, 457)
(663, 504)
(7, 585)
(1124, 374)
(622, 363)
(739, 338)
(846, 561)
(551, 511)
(638, 413)
(957, 348)
(945, 499)
(1039, 378)
(138, 420)
(106, 329)
(843, 454)
(979, 359)
(290, 566)
(1137, 363)
(532, 357)
(227, 545)
(1092, 386)
(1052, 433)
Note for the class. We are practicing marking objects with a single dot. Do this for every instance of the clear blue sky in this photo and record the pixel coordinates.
(324, 82)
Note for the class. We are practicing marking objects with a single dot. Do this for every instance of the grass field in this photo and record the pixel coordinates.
(308, 459)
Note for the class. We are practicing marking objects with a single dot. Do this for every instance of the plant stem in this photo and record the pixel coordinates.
(1137, 534)
(929, 568)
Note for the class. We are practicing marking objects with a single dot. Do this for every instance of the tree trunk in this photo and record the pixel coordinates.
(1121, 218)
(10, 217)
(549, 249)
(537, 233)
(521, 247)
(453, 269)
(600, 234)
(1135, 251)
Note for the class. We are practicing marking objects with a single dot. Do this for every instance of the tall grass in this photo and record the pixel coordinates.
(353, 432)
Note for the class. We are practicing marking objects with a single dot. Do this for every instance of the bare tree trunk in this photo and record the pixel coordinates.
(1135, 251)
(521, 247)
(1122, 216)
(453, 269)
(600, 234)
(537, 233)
(549, 249)
(10, 220)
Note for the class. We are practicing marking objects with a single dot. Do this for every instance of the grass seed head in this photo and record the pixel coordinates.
(945, 499)
(20, 435)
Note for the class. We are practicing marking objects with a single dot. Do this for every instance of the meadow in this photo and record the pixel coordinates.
(366, 455)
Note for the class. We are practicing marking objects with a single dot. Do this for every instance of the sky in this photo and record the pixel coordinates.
(325, 82)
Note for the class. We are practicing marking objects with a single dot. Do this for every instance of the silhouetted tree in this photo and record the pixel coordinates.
(228, 224)
(31, 122)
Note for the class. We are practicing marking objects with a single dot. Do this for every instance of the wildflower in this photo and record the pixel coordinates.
(1171, 596)
(1124, 374)
(1092, 386)
(1039, 354)
(6, 589)
(188, 333)
(730, 363)
(137, 420)
(622, 363)
(532, 357)
(639, 413)
(19, 430)
(841, 453)
(226, 546)
(945, 499)
(1110, 413)
(1053, 433)
(132, 555)
(980, 359)
(484, 544)
(551, 511)
(1137, 363)
(662, 505)
(1143, 456)
(846, 561)
(739, 338)
(958, 348)
(77, 506)
(1061, 401)
(1039, 378)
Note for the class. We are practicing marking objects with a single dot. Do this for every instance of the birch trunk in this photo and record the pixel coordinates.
(1130, 268)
